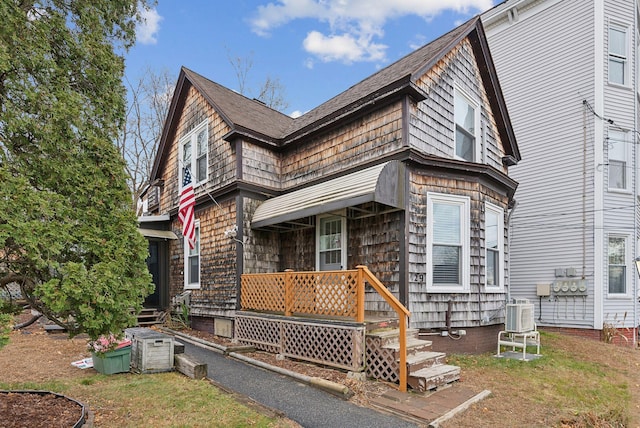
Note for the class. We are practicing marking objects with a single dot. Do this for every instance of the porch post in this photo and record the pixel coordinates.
(360, 295)
(288, 292)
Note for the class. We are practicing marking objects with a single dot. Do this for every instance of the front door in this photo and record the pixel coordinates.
(331, 242)
(153, 263)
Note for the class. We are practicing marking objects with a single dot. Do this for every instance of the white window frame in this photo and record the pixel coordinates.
(192, 138)
(460, 93)
(619, 57)
(343, 244)
(188, 253)
(491, 209)
(628, 271)
(464, 203)
(619, 139)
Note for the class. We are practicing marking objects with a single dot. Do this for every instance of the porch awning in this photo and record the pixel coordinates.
(383, 183)
(162, 234)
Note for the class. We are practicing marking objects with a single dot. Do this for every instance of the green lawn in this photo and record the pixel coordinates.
(158, 400)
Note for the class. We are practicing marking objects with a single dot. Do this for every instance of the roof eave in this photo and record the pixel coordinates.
(383, 96)
(177, 101)
(489, 76)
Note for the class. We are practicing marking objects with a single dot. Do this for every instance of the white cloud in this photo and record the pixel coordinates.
(352, 24)
(343, 48)
(309, 63)
(296, 113)
(148, 26)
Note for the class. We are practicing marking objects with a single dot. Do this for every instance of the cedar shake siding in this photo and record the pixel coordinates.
(372, 156)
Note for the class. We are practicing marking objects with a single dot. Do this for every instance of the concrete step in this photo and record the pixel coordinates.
(431, 378)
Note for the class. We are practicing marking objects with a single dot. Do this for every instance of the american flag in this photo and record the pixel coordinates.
(185, 210)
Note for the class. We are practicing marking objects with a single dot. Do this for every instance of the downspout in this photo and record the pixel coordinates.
(511, 211)
(584, 191)
(635, 171)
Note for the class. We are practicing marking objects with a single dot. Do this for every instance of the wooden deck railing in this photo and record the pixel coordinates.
(325, 293)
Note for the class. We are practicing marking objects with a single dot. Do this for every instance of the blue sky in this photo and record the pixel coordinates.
(315, 48)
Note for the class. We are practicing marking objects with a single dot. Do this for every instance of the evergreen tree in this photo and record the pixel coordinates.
(68, 234)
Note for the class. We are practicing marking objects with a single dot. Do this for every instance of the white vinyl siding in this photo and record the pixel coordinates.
(494, 248)
(192, 262)
(194, 154)
(546, 226)
(448, 227)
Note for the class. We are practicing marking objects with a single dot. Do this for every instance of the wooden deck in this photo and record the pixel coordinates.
(297, 313)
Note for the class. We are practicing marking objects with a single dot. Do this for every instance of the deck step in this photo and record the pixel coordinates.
(431, 378)
(413, 345)
(150, 316)
(377, 323)
(426, 359)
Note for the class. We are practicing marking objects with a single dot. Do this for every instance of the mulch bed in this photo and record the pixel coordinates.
(32, 409)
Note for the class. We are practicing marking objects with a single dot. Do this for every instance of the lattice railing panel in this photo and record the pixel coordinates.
(332, 293)
(262, 333)
(332, 345)
(382, 362)
(328, 344)
(263, 292)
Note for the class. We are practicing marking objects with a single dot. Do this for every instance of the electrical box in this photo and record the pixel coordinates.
(151, 351)
(559, 272)
(570, 287)
(543, 290)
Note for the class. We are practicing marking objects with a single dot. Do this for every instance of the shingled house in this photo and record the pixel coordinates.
(406, 172)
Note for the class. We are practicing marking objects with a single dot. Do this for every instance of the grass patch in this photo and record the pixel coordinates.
(578, 389)
(5, 328)
(158, 400)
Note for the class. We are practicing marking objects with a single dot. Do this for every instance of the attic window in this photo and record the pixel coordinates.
(467, 119)
(194, 153)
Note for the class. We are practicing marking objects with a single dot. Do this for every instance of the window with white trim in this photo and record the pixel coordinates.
(194, 154)
(494, 247)
(448, 241)
(192, 262)
(618, 149)
(617, 259)
(618, 55)
(331, 249)
(467, 121)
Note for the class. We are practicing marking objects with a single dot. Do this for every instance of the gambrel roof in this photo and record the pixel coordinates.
(253, 120)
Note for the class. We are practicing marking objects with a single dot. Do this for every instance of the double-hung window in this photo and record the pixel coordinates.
(617, 256)
(494, 247)
(618, 153)
(194, 154)
(467, 120)
(448, 241)
(618, 55)
(192, 262)
(331, 242)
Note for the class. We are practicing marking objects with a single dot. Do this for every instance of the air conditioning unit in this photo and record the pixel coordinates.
(520, 316)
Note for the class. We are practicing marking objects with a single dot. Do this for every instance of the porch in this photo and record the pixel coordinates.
(320, 317)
